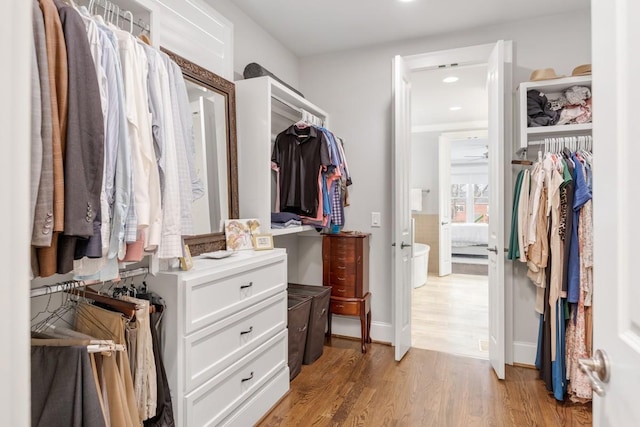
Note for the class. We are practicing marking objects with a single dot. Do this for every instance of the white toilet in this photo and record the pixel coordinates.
(420, 264)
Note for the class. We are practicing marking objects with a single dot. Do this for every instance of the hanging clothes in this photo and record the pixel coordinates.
(300, 153)
(559, 256)
(64, 390)
(113, 166)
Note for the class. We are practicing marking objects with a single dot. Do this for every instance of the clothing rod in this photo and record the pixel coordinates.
(99, 348)
(282, 101)
(300, 110)
(123, 15)
(72, 284)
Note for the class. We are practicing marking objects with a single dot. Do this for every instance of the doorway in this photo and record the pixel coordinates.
(450, 169)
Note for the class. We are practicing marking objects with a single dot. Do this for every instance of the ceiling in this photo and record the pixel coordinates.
(431, 98)
(311, 27)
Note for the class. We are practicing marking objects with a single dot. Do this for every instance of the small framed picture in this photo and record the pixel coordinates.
(262, 242)
(186, 262)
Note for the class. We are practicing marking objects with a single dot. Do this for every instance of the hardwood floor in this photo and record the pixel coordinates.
(451, 314)
(347, 388)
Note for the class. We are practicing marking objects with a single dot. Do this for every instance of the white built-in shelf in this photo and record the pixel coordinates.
(537, 133)
(552, 89)
(264, 108)
(291, 230)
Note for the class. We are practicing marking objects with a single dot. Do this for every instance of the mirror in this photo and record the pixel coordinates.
(213, 106)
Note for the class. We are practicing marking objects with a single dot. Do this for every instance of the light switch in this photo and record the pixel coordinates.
(375, 219)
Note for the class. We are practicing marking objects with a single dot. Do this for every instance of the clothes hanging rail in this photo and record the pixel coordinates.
(305, 115)
(72, 284)
(114, 10)
(572, 143)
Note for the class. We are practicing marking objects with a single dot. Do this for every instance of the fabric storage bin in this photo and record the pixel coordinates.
(317, 318)
(297, 322)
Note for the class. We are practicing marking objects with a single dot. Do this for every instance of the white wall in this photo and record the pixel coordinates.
(253, 44)
(355, 88)
(424, 169)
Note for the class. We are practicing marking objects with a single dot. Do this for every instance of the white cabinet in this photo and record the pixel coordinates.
(264, 108)
(552, 89)
(225, 341)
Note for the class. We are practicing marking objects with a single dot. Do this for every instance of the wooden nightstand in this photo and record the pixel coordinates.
(345, 267)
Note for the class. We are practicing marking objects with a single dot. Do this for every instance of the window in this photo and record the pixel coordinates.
(470, 203)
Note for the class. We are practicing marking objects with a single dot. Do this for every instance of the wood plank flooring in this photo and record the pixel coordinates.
(347, 388)
(451, 314)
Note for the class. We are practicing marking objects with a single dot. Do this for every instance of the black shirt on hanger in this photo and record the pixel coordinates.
(300, 152)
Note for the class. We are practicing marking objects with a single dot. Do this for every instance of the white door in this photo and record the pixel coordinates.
(444, 202)
(497, 121)
(616, 203)
(401, 207)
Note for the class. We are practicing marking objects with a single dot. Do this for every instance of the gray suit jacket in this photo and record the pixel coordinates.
(42, 144)
(84, 156)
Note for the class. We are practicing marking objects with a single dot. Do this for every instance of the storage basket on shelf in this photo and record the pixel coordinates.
(298, 308)
(321, 296)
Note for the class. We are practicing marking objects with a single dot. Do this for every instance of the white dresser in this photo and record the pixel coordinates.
(225, 340)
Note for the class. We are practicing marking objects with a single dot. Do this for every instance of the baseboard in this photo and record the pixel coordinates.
(350, 327)
(524, 353)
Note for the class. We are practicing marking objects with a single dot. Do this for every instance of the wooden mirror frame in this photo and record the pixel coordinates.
(202, 243)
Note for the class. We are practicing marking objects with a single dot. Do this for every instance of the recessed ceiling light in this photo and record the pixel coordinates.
(455, 108)
(450, 79)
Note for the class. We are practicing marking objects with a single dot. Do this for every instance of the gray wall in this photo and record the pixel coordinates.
(355, 88)
(253, 44)
(424, 169)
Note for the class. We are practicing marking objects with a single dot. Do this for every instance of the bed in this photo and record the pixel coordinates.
(469, 239)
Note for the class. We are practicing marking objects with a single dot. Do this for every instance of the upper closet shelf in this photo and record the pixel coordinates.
(291, 230)
(552, 89)
(580, 129)
(264, 108)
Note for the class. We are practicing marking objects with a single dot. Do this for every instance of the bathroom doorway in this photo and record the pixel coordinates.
(450, 173)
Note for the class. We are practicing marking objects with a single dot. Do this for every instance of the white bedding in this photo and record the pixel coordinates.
(468, 234)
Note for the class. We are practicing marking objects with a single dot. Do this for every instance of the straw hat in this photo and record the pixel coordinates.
(544, 74)
(582, 70)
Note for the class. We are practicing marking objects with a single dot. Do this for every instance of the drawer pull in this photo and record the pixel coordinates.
(304, 328)
(339, 306)
(341, 290)
(250, 377)
(248, 331)
(342, 267)
(342, 278)
(246, 286)
(342, 259)
(324, 310)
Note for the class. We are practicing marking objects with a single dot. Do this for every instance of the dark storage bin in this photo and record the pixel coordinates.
(317, 318)
(297, 323)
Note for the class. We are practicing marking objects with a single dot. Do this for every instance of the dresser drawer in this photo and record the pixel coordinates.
(216, 399)
(260, 402)
(343, 244)
(210, 301)
(212, 349)
(344, 291)
(347, 308)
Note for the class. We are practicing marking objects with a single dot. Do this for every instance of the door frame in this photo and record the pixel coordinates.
(446, 138)
(467, 56)
(15, 114)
